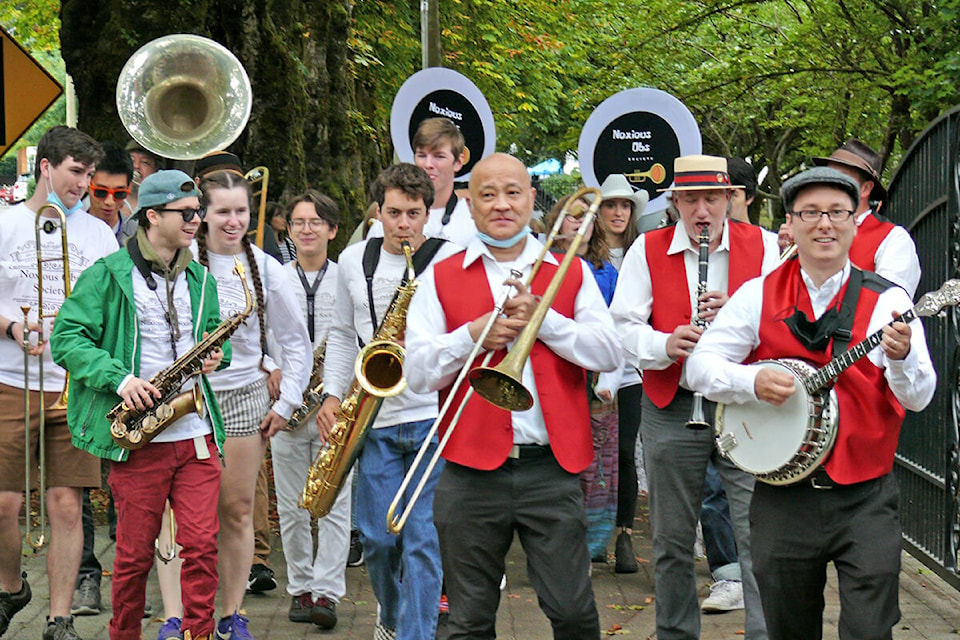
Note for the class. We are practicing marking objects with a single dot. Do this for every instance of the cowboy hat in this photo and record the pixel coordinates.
(616, 185)
(856, 155)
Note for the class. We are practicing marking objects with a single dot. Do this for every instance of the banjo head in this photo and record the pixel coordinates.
(765, 440)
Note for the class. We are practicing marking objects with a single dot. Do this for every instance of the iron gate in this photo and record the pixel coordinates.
(924, 197)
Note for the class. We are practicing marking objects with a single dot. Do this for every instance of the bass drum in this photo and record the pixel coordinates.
(780, 445)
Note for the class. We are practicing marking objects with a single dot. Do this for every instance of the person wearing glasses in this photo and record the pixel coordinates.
(131, 315)
(847, 512)
(109, 190)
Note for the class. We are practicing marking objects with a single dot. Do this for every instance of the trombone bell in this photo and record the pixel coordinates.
(502, 385)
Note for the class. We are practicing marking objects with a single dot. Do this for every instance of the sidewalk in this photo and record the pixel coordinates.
(930, 607)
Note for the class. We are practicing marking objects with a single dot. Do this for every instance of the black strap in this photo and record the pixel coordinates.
(448, 211)
(133, 248)
(848, 309)
(371, 257)
(311, 291)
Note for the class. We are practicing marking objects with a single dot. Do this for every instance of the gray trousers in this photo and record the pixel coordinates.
(676, 463)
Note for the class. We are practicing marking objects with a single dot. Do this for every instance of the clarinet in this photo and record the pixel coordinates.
(697, 421)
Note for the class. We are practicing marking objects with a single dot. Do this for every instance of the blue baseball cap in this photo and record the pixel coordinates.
(163, 187)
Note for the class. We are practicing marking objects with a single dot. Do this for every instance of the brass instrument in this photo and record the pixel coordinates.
(182, 96)
(697, 420)
(259, 178)
(312, 396)
(502, 385)
(131, 428)
(47, 225)
(787, 253)
(395, 523)
(168, 552)
(657, 173)
(378, 374)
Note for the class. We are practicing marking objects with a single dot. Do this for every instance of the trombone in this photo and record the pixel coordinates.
(480, 380)
(47, 225)
(259, 178)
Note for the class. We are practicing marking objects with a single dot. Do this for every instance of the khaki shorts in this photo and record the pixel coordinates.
(66, 465)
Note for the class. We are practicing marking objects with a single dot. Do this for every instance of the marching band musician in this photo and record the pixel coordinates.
(653, 307)
(847, 512)
(257, 399)
(316, 581)
(404, 570)
(66, 160)
(118, 328)
(507, 472)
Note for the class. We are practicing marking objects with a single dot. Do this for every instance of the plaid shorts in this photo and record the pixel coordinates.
(244, 408)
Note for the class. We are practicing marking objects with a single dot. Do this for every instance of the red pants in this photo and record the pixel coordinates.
(141, 485)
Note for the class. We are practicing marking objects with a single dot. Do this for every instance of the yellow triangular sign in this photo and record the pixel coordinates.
(27, 91)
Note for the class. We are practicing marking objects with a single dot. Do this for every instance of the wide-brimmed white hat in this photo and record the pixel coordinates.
(617, 186)
(699, 172)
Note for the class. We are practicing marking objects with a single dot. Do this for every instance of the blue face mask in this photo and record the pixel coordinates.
(505, 244)
(54, 199)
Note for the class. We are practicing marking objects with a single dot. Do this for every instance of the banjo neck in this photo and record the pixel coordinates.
(830, 371)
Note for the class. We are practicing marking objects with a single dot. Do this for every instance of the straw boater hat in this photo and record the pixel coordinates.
(859, 156)
(617, 186)
(692, 173)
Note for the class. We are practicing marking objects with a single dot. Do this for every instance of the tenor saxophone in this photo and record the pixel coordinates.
(378, 374)
(132, 429)
(313, 395)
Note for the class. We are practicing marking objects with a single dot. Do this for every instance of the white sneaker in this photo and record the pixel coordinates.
(725, 595)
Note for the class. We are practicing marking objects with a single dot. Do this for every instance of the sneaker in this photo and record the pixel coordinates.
(383, 632)
(355, 559)
(234, 627)
(626, 560)
(725, 595)
(86, 598)
(170, 630)
(324, 613)
(60, 628)
(147, 610)
(300, 608)
(10, 603)
(261, 579)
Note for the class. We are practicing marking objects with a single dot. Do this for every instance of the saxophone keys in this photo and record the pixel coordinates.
(164, 412)
(135, 437)
(150, 424)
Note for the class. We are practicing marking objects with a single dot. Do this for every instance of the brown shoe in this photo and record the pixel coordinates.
(189, 636)
(626, 560)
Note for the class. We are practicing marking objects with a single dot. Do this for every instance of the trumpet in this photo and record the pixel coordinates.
(395, 523)
(656, 173)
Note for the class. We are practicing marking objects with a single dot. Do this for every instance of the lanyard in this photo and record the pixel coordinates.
(311, 291)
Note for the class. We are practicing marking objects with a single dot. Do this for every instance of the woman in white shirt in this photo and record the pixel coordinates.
(255, 404)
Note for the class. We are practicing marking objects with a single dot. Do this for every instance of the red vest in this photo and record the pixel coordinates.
(483, 437)
(870, 415)
(671, 295)
(870, 233)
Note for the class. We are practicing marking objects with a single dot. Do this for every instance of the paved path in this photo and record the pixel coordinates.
(931, 608)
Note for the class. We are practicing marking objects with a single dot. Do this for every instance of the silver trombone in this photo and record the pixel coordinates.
(395, 523)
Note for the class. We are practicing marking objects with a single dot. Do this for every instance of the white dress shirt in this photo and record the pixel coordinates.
(435, 356)
(643, 346)
(714, 368)
(896, 258)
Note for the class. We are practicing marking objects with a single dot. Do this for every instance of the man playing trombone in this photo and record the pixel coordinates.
(66, 160)
(517, 471)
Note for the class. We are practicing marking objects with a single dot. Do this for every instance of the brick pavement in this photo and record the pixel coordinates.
(931, 608)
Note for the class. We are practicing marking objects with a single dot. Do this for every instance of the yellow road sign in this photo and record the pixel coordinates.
(26, 91)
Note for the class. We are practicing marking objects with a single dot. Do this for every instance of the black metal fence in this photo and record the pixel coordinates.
(924, 196)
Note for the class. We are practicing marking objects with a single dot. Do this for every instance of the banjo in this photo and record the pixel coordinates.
(784, 444)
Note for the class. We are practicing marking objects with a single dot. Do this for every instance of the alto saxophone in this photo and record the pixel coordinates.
(313, 395)
(131, 428)
(378, 373)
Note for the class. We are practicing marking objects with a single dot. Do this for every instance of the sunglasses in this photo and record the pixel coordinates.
(187, 214)
(101, 193)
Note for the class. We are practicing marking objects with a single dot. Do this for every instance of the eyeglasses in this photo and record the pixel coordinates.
(315, 224)
(812, 215)
(101, 193)
(187, 214)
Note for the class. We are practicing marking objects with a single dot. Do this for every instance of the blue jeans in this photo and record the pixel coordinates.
(718, 535)
(404, 570)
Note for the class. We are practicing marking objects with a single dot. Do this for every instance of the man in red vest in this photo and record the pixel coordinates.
(656, 307)
(879, 245)
(505, 471)
(814, 308)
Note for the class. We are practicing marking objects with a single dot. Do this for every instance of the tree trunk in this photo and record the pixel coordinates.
(306, 118)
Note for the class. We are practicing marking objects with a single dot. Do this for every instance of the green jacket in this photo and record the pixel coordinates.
(96, 338)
